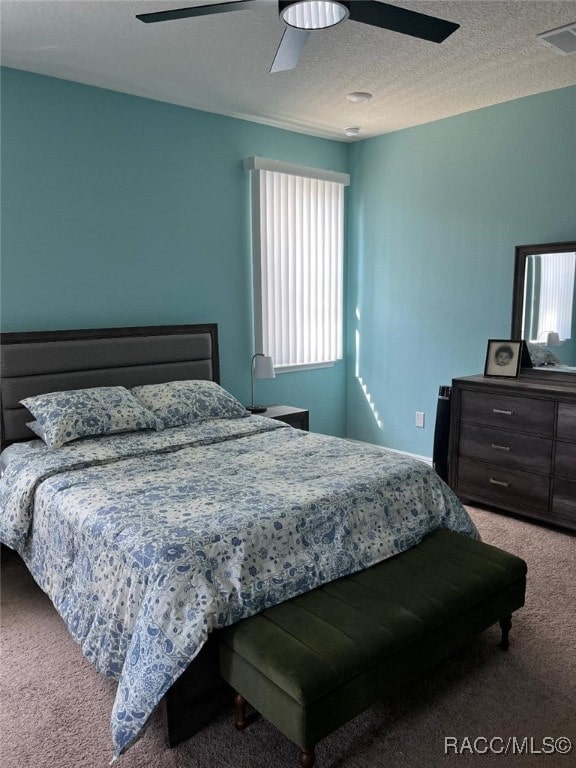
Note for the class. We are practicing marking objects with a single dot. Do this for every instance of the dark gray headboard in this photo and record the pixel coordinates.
(32, 363)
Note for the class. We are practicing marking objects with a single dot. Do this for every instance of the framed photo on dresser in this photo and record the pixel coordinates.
(503, 358)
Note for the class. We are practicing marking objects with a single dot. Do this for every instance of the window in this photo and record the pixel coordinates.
(298, 250)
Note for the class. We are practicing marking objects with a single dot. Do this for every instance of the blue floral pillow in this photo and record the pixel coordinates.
(185, 402)
(65, 416)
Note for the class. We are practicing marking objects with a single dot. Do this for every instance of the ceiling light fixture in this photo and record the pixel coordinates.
(313, 14)
(354, 130)
(358, 97)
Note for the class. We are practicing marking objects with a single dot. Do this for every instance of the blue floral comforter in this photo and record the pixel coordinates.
(146, 542)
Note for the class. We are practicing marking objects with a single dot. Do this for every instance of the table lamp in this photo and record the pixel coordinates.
(262, 368)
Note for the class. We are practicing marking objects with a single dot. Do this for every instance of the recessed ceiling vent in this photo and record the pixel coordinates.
(562, 40)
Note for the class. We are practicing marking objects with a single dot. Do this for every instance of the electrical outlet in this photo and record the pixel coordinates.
(419, 418)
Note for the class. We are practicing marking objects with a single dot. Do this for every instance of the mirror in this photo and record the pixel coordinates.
(544, 306)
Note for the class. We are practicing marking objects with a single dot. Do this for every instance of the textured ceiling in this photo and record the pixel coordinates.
(220, 63)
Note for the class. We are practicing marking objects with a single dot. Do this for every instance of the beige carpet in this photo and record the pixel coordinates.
(55, 708)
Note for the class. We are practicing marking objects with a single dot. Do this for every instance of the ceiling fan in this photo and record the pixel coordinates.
(304, 16)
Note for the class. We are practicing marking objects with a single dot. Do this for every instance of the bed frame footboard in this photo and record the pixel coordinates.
(196, 697)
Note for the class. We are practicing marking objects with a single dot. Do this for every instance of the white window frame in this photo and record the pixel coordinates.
(285, 264)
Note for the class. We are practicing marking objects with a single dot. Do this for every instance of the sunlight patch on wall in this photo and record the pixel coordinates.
(361, 381)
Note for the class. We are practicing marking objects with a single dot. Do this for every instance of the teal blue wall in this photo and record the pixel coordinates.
(118, 210)
(435, 213)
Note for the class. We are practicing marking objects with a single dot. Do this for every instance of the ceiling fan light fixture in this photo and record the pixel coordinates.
(313, 14)
(358, 97)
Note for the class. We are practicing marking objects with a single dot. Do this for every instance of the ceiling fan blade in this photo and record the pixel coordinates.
(290, 49)
(401, 20)
(197, 10)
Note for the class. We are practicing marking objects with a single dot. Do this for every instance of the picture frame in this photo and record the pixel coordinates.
(503, 358)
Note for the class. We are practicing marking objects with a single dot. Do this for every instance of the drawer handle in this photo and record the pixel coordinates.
(502, 412)
(499, 482)
(500, 447)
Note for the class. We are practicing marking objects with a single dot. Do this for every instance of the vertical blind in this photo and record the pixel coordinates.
(298, 267)
(556, 294)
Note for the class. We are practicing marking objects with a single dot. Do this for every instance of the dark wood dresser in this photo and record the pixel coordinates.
(513, 446)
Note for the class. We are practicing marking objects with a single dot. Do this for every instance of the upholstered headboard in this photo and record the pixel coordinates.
(49, 361)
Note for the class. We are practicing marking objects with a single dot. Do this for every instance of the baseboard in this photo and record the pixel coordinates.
(425, 459)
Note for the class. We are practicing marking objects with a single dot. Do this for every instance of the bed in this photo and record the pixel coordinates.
(150, 540)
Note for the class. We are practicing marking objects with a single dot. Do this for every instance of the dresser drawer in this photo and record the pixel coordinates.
(508, 412)
(508, 449)
(565, 463)
(513, 487)
(566, 421)
(564, 503)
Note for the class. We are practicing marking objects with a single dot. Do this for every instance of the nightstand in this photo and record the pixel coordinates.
(296, 417)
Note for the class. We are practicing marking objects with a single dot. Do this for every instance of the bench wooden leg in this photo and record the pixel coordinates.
(240, 719)
(505, 626)
(306, 758)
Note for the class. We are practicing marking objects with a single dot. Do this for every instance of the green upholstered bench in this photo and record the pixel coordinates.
(311, 664)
